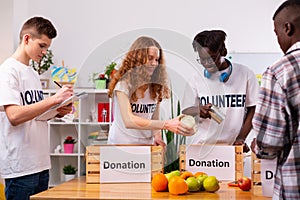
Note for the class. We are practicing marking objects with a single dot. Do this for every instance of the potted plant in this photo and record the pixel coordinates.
(110, 70)
(44, 64)
(69, 144)
(101, 79)
(69, 172)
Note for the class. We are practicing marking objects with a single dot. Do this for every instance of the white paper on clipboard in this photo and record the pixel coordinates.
(52, 112)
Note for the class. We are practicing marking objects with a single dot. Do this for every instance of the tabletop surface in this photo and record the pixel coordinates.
(78, 189)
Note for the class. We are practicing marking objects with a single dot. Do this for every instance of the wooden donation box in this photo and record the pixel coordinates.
(262, 175)
(123, 163)
(224, 162)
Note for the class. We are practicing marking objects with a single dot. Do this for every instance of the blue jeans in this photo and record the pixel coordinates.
(21, 188)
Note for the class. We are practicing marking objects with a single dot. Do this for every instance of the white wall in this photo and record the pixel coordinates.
(6, 24)
(84, 25)
(91, 26)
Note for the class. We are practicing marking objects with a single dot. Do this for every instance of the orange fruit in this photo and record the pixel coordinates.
(199, 174)
(159, 182)
(177, 186)
(186, 174)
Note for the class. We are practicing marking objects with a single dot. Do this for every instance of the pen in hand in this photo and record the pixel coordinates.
(57, 84)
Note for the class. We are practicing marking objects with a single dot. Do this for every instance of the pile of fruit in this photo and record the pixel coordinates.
(181, 183)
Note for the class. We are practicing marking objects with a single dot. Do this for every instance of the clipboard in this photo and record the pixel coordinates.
(52, 112)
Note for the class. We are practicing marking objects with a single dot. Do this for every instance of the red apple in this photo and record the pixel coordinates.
(244, 183)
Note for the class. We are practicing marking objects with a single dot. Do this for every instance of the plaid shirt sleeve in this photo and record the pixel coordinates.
(270, 117)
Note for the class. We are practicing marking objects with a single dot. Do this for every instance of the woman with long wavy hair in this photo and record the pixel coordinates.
(137, 89)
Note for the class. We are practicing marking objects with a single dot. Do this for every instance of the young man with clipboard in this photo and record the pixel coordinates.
(24, 145)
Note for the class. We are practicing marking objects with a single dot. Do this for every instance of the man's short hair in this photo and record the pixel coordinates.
(288, 3)
(38, 26)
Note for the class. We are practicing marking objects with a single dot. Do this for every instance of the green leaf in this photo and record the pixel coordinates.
(109, 68)
(173, 142)
(44, 64)
(178, 108)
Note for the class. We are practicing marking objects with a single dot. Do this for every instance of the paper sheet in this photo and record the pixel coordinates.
(52, 112)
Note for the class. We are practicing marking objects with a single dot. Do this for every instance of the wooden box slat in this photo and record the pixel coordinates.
(239, 160)
(93, 162)
(239, 157)
(256, 178)
(93, 167)
(256, 188)
(256, 167)
(93, 159)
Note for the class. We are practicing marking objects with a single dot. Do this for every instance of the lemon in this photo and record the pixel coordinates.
(201, 179)
(211, 184)
(193, 184)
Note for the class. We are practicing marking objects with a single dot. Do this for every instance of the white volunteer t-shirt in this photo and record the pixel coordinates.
(24, 149)
(144, 108)
(232, 97)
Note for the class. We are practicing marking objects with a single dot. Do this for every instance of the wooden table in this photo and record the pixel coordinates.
(78, 189)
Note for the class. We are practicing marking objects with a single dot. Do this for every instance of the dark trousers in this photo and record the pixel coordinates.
(21, 188)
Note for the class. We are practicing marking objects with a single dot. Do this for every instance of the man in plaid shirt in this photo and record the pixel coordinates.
(277, 115)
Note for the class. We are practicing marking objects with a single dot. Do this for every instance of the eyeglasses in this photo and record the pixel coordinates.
(209, 61)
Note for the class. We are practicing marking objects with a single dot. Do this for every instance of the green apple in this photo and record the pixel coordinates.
(169, 176)
(172, 173)
(211, 184)
(175, 173)
(200, 179)
(193, 184)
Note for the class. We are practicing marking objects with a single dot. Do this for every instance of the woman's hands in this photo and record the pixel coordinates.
(158, 140)
(177, 127)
